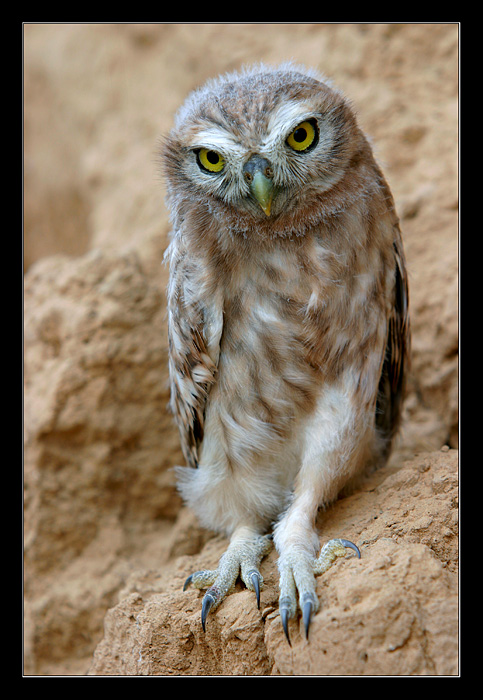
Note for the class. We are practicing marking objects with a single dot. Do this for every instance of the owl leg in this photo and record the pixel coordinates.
(336, 444)
(297, 543)
(242, 558)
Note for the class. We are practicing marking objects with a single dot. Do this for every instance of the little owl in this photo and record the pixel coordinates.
(287, 317)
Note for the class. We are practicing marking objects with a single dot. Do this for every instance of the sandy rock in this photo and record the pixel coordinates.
(95, 395)
(98, 439)
(393, 612)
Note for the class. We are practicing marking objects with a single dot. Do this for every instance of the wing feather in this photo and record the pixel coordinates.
(192, 355)
(396, 361)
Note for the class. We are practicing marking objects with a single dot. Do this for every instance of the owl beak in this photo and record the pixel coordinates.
(262, 189)
(258, 173)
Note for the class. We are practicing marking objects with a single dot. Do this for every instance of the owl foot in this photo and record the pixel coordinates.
(297, 573)
(242, 558)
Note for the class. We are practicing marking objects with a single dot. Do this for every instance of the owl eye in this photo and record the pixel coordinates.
(210, 160)
(304, 136)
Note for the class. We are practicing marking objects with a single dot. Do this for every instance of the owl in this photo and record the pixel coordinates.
(287, 320)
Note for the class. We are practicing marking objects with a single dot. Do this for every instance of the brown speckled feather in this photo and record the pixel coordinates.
(192, 370)
(397, 357)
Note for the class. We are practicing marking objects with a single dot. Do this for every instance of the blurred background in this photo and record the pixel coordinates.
(99, 443)
(97, 97)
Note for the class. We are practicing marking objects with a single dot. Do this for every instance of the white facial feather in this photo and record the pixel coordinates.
(285, 118)
(218, 139)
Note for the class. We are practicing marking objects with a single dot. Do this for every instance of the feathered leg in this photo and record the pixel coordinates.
(330, 457)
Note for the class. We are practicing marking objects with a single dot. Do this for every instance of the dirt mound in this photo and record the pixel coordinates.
(393, 612)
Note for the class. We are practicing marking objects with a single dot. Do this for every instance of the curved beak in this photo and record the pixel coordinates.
(258, 173)
(262, 189)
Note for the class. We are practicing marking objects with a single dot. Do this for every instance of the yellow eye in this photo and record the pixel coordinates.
(303, 136)
(211, 160)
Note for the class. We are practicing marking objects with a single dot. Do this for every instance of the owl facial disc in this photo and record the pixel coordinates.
(258, 173)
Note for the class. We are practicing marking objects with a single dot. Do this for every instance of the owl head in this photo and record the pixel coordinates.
(264, 147)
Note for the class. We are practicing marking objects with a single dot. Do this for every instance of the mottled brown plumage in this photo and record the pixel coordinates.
(288, 314)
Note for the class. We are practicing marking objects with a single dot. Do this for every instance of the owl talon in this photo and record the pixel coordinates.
(307, 616)
(297, 577)
(187, 582)
(208, 602)
(350, 545)
(255, 578)
(200, 579)
(284, 615)
(242, 558)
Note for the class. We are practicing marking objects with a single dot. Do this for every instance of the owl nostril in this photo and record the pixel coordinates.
(257, 164)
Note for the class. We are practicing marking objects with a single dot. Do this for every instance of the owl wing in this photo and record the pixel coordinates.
(396, 360)
(194, 332)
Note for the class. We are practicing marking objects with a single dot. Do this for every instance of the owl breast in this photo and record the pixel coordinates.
(294, 316)
(263, 387)
(265, 381)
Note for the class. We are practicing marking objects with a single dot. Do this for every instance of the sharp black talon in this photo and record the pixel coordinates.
(187, 582)
(208, 601)
(307, 616)
(351, 545)
(284, 616)
(255, 578)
